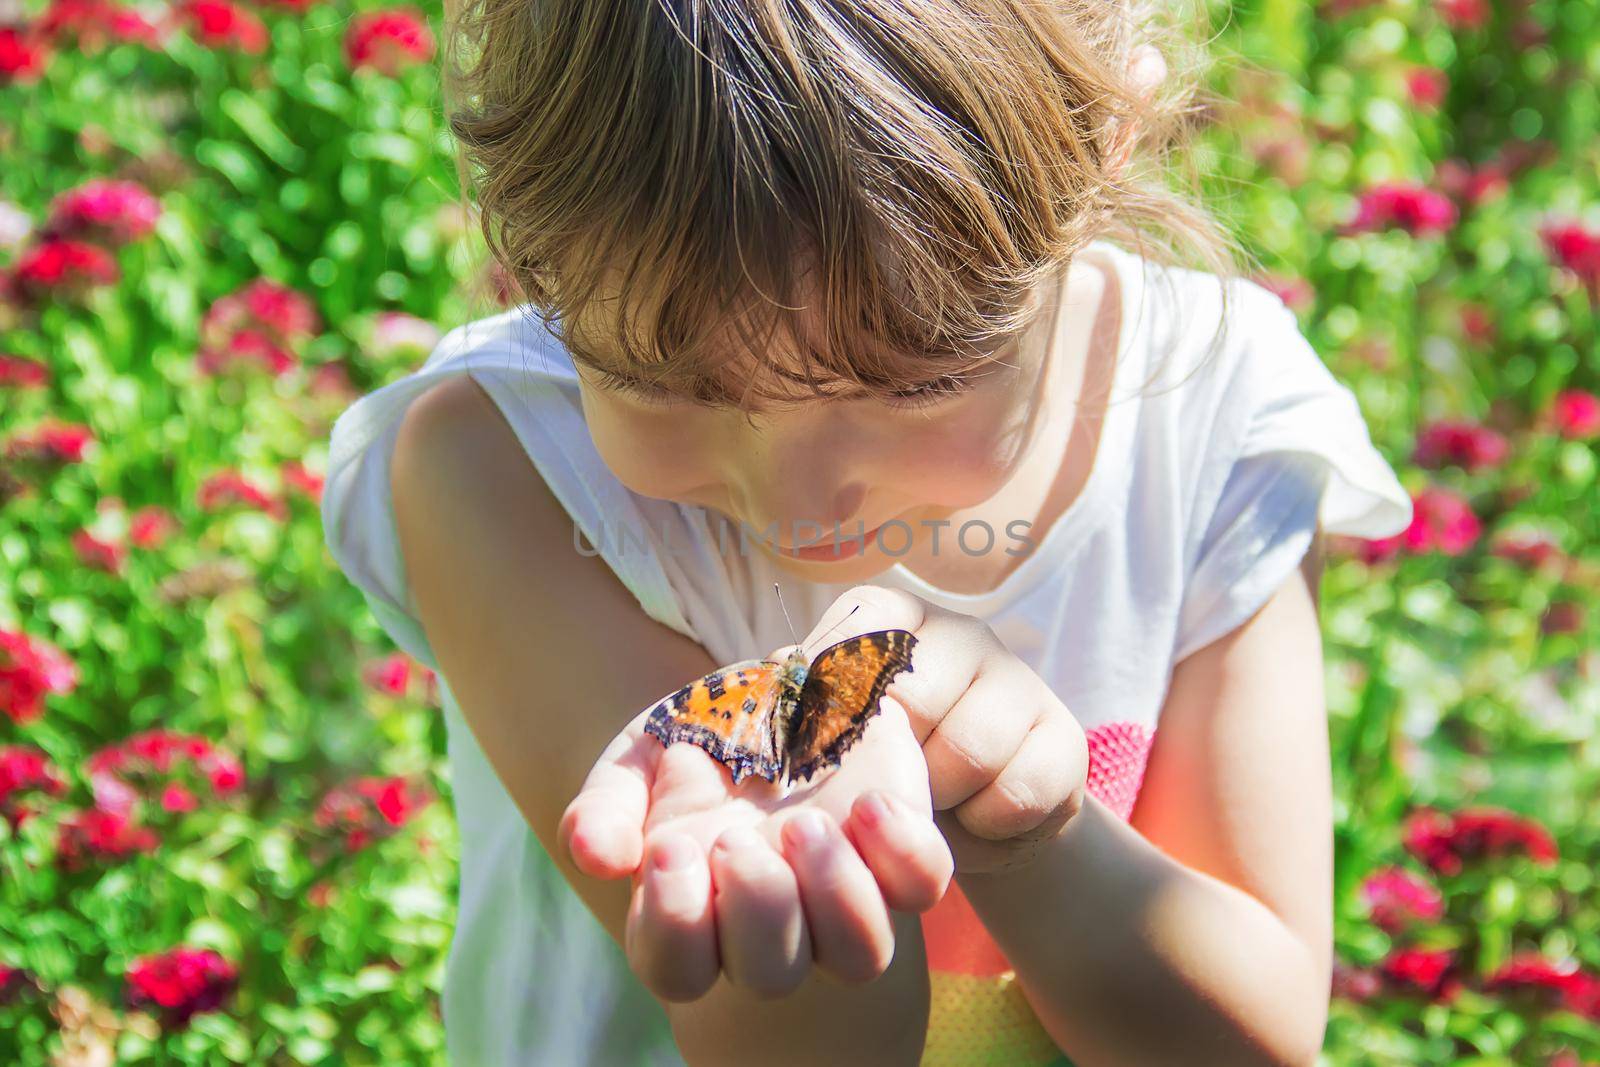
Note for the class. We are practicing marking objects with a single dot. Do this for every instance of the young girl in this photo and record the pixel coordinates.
(895, 288)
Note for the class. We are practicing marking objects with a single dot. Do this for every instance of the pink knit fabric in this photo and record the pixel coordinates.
(1118, 752)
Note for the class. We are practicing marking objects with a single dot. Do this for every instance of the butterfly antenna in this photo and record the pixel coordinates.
(785, 611)
(841, 622)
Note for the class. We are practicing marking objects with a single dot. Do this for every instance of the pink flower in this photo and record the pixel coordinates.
(25, 769)
(332, 380)
(1427, 86)
(65, 265)
(1531, 973)
(250, 349)
(118, 211)
(99, 553)
(1473, 185)
(370, 808)
(1573, 246)
(1296, 293)
(1575, 414)
(22, 56)
(96, 834)
(13, 982)
(1441, 521)
(177, 798)
(1445, 840)
(221, 24)
(391, 674)
(394, 333)
(1428, 972)
(1468, 445)
(388, 40)
(1531, 550)
(31, 669)
(1357, 984)
(306, 482)
(1563, 617)
(230, 488)
(92, 24)
(1477, 323)
(50, 443)
(20, 373)
(1418, 210)
(181, 983)
(1464, 14)
(1396, 897)
(150, 526)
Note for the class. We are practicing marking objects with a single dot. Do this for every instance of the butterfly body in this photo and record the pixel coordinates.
(785, 720)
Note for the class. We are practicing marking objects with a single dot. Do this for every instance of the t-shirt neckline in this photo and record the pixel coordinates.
(1090, 507)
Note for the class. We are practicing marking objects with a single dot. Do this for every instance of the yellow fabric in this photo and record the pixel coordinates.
(977, 1021)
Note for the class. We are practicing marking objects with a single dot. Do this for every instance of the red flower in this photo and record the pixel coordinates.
(51, 443)
(151, 526)
(154, 756)
(181, 983)
(24, 769)
(92, 24)
(1573, 246)
(278, 308)
(30, 669)
(1444, 840)
(1427, 86)
(1396, 897)
(221, 24)
(1563, 617)
(1428, 972)
(229, 488)
(332, 380)
(1575, 414)
(118, 211)
(97, 834)
(391, 674)
(1418, 210)
(1477, 323)
(306, 482)
(1469, 445)
(1464, 14)
(1560, 983)
(1441, 521)
(99, 553)
(1531, 550)
(64, 264)
(13, 981)
(177, 798)
(369, 808)
(22, 56)
(388, 40)
(247, 348)
(23, 373)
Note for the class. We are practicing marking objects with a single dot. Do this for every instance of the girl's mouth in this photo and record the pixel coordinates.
(831, 551)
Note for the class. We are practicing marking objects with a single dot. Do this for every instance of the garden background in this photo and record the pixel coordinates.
(225, 830)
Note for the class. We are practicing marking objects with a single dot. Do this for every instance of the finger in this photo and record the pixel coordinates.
(981, 734)
(761, 928)
(687, 779)
(951, 647)
(1039, 791)
(670, 936)
(903, 849)
(602, 828)
(851, 936)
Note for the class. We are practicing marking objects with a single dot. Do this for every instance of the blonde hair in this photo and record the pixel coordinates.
(930, 162)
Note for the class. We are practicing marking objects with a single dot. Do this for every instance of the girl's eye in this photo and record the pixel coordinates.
(930, 393)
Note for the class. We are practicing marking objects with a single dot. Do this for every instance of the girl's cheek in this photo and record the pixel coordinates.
(653, 454)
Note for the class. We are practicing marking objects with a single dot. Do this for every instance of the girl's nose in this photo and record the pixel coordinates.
(802, 480)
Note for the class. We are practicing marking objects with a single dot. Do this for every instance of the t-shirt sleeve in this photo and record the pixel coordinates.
(1291, 453)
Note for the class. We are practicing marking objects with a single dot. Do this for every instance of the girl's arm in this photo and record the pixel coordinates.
(549, 658)
(1201, 934)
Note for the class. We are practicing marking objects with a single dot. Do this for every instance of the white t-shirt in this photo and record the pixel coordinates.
(1203, 498)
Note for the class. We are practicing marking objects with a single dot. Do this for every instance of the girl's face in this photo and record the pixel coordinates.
(789, 473)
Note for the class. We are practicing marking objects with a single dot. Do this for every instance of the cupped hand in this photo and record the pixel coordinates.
(742, 881)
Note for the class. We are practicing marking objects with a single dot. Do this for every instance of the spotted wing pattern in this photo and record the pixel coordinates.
(840, 696)
(728, 713)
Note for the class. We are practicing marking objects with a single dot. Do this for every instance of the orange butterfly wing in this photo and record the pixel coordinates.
(839, 697)
(728, 713)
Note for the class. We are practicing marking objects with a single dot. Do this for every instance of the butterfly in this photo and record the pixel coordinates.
(785, 719)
